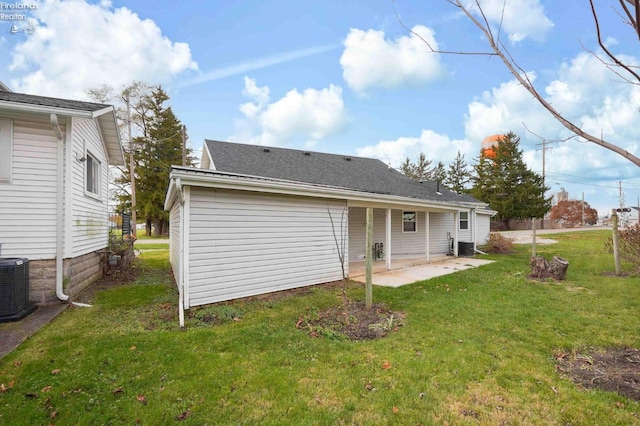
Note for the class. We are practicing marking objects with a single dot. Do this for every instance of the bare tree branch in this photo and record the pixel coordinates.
(611, 67)
(447, 52)
(503, 53)
(611, 56)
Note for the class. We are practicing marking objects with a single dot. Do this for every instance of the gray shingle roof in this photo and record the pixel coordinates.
(357, 173)
(51, 102)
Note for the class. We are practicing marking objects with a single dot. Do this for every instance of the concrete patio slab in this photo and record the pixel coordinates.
(409, 275)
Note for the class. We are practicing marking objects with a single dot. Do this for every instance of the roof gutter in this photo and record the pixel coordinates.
(45, 109)
(59, 210)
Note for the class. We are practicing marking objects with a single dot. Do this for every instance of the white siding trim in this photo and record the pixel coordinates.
(186, 246)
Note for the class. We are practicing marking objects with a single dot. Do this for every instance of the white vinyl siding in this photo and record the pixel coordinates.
(6, 149)
(402, 243)
(441, 227)
(89, 211)
(483, 227)
(28, 206)
(176, 243)
(243, 243)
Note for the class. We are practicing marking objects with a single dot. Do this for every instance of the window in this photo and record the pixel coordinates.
(92, 174)
(6, 147)
(464, 220)
(409, 222)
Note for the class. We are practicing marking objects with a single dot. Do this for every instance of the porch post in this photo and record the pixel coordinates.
(456, 214)
(387, 239)
(427, 247)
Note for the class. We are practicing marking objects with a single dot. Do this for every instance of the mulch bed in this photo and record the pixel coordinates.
(614, 370)
(356, 323)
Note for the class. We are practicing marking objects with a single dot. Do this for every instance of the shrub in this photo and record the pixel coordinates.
(498, 244)
(628, 245)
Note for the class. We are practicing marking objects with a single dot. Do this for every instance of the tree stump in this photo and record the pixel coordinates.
(542, 269)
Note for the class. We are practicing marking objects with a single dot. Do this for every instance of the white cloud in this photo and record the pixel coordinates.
(259, 63)
(310, 115)
(77, 45)
(435, 146)
(520, 18)
(368, 60)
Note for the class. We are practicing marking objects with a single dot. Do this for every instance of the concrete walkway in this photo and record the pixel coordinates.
(12, 334)
(412, 274)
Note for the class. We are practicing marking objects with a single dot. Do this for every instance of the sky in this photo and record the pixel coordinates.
(347, 77)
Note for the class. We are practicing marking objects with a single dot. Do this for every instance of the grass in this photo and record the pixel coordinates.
(477, 347)
(150, 246)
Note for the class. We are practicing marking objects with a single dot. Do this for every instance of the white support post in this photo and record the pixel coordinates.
(387, 240)
(427, 247)
(456, 215)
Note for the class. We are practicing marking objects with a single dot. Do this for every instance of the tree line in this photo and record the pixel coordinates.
(501, 180)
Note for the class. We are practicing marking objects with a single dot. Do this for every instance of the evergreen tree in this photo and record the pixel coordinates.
(458, 175)
(438, 173)
(418, 171)
(507, 185)
(158, 147)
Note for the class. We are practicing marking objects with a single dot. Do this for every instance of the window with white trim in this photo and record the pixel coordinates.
(92, 175)
(464, 220)
(409, 222)
(6, 149)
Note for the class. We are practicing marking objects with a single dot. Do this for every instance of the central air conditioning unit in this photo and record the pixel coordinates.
(14, 289)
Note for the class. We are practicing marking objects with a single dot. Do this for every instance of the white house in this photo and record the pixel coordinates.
(257, 219)
(54, 158)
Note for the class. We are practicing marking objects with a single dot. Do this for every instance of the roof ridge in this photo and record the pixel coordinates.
(295, 150)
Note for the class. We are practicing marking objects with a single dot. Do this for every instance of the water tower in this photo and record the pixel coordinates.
(489, 145)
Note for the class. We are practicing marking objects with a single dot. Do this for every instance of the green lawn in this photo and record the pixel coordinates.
(477, 347)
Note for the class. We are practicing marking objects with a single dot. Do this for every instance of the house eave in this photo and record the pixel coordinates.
(17, 106)
(105, 120)
(223, 180)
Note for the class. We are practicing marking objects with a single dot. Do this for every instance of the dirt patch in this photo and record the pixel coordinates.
(114, 277)
(355, 323)
(613, 370)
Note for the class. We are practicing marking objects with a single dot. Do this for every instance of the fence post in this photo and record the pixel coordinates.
(616, 253)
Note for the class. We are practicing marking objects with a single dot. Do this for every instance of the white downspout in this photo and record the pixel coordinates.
(59, 212)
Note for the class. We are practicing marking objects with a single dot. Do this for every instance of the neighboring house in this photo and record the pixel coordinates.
(54, 158)
(257, 219)
(629, 218)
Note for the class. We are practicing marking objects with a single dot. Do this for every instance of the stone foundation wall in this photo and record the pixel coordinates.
(79, 273)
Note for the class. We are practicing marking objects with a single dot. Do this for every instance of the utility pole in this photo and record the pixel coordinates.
(134, 221)
(544, 156)
(184, 146)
